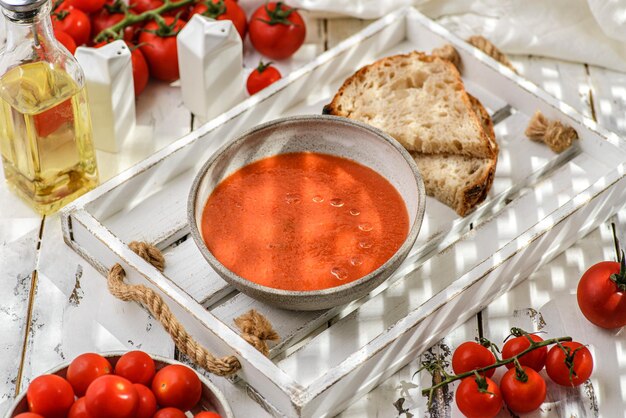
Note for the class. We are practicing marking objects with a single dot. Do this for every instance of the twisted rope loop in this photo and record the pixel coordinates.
(449, 53)
(490, 49)
(256, 328)
(553, 133)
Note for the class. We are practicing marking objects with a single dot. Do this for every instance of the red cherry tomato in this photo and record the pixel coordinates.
(223, 10)
(79, 410)
(276, 32)
(66, 40)
(108, 17)
(522, 396)
(50, 395)
(87, 6)
(136, 366)
(206, 414)
(475, 401)
(73, 22)
(535, 359)
(576, 356)
(28, 415)
(170, 413)
(86, 368)
(471, 356)
(112, 397)
(261, 77)
(177, 386)
(52, 119)
(601, 299)
(147, 402)
(141, 74)
(160, 50)
(140, 6)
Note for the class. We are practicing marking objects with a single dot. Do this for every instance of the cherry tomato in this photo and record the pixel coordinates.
(50, 395)
(177, 386)
(535, 359)
(206, 414)
(73, 22)
(108, 17)
(159, 49)
(223, 10)
(602, 294)
(147, 402)
(478, 400)
(276, 30)
(136, 366)
(261, 77)
(112, 396)
(87, 6)
(169, 413)
(471, 356)
(141, 74)
(140, 6)
(79, 410)
(86, 368)
(522, 396)
(578, 357)
(66, 40)
(28, 415)
(52, 119)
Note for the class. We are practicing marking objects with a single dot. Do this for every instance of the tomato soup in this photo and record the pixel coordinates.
(304, 221)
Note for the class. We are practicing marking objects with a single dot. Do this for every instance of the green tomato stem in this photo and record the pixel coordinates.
(116, 30)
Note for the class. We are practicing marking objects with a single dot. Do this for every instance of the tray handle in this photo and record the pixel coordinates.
(255, 328)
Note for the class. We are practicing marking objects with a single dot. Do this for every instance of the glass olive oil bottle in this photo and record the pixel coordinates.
(45, 126)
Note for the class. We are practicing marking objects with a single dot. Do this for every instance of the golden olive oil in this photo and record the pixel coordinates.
(45, 136)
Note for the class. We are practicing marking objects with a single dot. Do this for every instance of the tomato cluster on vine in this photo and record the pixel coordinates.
(149, 27)
(93, 388)
(522, 388)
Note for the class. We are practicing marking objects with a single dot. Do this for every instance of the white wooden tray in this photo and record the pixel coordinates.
(539, 205)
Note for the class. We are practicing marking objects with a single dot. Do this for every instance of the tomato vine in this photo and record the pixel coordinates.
(449, 378)
(116, 30)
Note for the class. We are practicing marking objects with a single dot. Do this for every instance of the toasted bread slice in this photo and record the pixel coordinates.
(458, 181)
(419, 100)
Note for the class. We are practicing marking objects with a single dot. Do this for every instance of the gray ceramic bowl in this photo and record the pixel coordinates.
(324, 134)
(212, 399)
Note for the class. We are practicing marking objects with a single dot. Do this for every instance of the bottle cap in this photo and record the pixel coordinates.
(22, 6)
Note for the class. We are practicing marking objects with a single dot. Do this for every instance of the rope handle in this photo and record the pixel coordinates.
(449, 53)
(256, 329)
(553, 133)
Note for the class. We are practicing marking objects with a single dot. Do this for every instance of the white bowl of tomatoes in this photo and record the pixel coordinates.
(121, 385)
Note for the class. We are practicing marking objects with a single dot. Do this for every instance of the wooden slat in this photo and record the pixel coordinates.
(341, 28)
(186, 267)
(609, 98)
(18, 252)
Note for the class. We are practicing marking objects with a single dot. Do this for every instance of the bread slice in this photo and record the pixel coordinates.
(458, 181)
(419, 100)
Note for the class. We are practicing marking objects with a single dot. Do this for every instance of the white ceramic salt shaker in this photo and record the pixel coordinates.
(210, 57)
(109, 81)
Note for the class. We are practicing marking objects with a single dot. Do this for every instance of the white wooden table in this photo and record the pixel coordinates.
(55, 306)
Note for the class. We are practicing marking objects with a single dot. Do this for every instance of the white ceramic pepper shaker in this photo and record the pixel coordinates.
(109, 82)
(210, 56)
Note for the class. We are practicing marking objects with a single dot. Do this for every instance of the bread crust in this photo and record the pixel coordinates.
(333, 107)
(476, 193)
